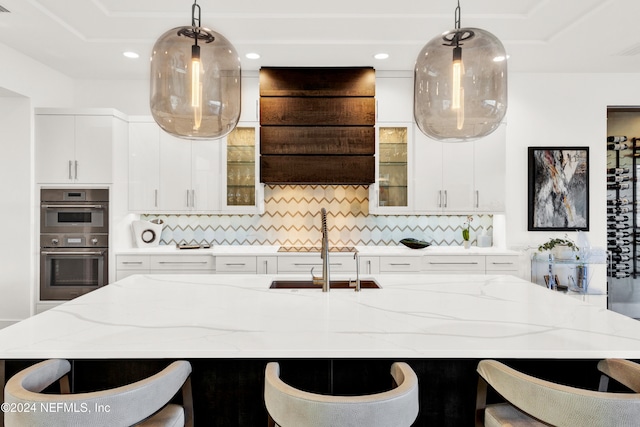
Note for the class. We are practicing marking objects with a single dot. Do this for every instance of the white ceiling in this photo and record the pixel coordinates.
(85, 38)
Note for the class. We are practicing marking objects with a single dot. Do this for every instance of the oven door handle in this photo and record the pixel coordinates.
(72, 253)
(45, 206)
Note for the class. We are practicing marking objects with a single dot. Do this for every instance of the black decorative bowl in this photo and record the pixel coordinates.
(414, 243)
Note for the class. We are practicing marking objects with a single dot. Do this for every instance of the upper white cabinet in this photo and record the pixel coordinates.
(76, 146)
(444, 175)
(144, 165)
(175, 175)
(189, 174)
(489, 171)
(463, 177)
(250, 97)
(394, 97)
(416, 174)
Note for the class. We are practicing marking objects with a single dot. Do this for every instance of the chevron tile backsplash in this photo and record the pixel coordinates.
(292, 218)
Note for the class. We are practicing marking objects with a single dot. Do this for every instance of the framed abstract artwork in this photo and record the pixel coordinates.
(558, 189)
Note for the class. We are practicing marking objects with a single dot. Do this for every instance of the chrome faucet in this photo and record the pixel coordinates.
(357, 258)
(324, 253)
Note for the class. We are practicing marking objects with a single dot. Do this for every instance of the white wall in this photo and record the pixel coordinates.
(22, 75)
(561, 109)
(129, 96)
(17, 251)
(24, 84)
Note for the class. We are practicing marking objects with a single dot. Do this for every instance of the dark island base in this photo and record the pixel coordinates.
(228, 393)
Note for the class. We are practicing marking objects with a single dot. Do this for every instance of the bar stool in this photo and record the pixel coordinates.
(143, 403)
(535, 402)
(290, 407)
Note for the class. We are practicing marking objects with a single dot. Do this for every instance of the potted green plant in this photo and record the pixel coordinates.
(561, 248)
(465, 232)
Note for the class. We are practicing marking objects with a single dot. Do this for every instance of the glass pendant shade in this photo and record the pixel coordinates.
(460, 85)
(195, 83)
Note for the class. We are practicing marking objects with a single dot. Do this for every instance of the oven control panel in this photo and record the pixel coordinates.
(74, 240)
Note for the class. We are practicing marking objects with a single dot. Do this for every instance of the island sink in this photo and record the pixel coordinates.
(335, 284)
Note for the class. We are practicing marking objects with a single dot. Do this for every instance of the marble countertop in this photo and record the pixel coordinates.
(237, 316)
(261, 250)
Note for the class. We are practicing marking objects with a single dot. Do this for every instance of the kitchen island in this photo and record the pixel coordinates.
(441, 324)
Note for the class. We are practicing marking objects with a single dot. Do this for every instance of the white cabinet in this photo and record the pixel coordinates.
(449, 178)
(394, 264)
(489, 171)
(250, 96)
(263, 264)
(236, 264)
(338, 263)
(452, 264)
(76, 146)
(266, 264)
(192, 263)
(504, 264)
(173, 175)
(144, 166)
(189, 174)
(463, 177)
(444, 172)
(127, 265)
(369, 265)
(394, 97)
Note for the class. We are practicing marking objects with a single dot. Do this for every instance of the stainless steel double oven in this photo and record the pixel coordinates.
(74, 242)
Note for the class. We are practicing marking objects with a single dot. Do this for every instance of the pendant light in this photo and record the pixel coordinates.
(460, 84)
(195, 82)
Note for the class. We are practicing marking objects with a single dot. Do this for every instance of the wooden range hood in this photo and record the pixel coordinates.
(317, 125)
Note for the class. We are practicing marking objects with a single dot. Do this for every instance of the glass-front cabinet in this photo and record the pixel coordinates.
(390, 193)
(243, 192)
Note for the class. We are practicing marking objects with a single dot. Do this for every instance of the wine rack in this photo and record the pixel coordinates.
(621, 206)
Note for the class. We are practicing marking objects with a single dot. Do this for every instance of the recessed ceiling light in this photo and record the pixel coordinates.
(130, 54)
(381, 55)
(252, 55)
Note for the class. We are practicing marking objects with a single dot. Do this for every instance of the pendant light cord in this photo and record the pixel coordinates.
(457, 17)
(196, 9)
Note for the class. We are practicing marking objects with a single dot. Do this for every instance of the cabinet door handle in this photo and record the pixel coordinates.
(76, 169)
(181, 262)
(477, 199)
(400, 264)
(368, 266)
(235, 264)
(70, 176)
(502, 263)
(439, 198)
(266, 266)
(257, 110)
(446, 198)
(54, 206)
(453, 263)
(193, 198)
(155, 198)
(187, 198)
(132, 262)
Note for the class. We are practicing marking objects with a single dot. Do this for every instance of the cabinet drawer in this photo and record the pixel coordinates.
(182, 262)
(502, 263)
(132, 262)
(304, 264)
(454, 263)
(399, 264)
(236, 264)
